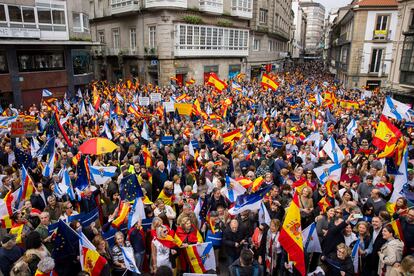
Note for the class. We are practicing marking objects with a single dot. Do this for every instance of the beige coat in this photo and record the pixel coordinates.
(390, 253)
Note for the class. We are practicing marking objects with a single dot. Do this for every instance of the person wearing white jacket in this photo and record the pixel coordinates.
(391, 252)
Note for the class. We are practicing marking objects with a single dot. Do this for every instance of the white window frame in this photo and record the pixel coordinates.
(82, 28)
(152, 37)
(263, 16)
(377, 59)
(242, 5)
(101, 36)
(133, 38)
(256, 45)
(116, 38)
(51, 9)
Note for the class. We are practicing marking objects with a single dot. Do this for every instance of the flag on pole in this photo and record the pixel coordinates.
(232, 189)
(355, 256)
(136, 213)
(91, 261)
(129, 259)
(264, 216)
(249, 202)
(387, 134)
(332, 149)
(291, 236)
(328, 172)
(395, 109)
(46, 93)
(311, 240)
(351, 128)
(50, 166)
(145, 132)
(102, 174)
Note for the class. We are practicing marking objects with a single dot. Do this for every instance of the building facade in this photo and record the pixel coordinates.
(270, 31)
(43, 44)
(401, 78)
(362, 43)
(315, 16)
(154, 40)
(299, 26)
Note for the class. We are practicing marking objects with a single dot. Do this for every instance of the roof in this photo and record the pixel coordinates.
(377, 3)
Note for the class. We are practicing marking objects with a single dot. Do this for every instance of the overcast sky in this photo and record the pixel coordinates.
(333, 4)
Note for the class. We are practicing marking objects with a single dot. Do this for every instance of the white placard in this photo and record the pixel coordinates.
(144, 101)
(169, 106)
(155, 97)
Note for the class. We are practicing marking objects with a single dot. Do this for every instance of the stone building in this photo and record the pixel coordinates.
(299, 26)
(43, 44)
(315, 22)
(155, 40)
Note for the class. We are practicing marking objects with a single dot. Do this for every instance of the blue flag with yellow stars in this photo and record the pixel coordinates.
(23, 158)
(130, 188)
(66, 241)
(82, 170)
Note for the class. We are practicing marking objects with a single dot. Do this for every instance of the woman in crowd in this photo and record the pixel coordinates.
(391, 252)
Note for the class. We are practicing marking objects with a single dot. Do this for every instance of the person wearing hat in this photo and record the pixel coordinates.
(9, 253)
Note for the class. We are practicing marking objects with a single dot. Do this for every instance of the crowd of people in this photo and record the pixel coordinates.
(188, 183)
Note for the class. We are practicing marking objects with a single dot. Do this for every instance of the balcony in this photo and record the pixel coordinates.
(123, 6)
(241, 10)
(381, 35)
(166, 4)
(213, 6)
(150, 52)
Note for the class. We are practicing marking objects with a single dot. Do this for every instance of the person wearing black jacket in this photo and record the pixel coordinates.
(245, 265)
(377, 241)
(137, 240)
(339, 262)
(233, 241)
(334, 236)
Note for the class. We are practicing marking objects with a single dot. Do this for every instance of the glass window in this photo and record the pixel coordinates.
(30, 61)
(81, 62)
(152, 34)
(115, 38)
(44, 15)
(28, 15)
(133, 38)
(15, 13)
(2, 13)
(375, 60)
(382, 21)
(58, 17)
(263, 16)
(3, 63)
(101, 36)
(77, 22)
(85, 21)
(256, 45)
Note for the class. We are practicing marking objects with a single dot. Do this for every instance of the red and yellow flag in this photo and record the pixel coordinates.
(257, 183)
(17, 230)
(147, 157)
(396, 225)
(122, 214)
(324, 204)
(386, 134)
(291, 236)
(265, 127)
(214, 80)
(267, 82)
(232, 135)
(93, 262)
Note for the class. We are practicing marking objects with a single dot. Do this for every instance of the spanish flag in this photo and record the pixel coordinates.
(211, 129)
(214, 80)
(324, 204)
(27, 186)
(291, 236)
(170, 240)
(122, 214)
(386, 134)
(245, 182)
(132, 110)
(93, 262)
(257, 183)
(267, 82)
(396, 225)
(265, 127)
(182, 98)
(232, 135)
(147, 157)
(17, 230)
(190, 82)
(328, 186)
(96, 99)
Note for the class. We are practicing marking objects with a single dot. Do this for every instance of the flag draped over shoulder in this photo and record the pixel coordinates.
(291, 236)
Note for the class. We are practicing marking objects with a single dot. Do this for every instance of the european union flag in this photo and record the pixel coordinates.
(85, 218)
(391, 167)
(130, 188)
(82, 170)
(167, 140)
(47, 148)
(23, 158)
(66, 242)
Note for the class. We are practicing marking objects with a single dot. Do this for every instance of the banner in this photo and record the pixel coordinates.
(184, 108)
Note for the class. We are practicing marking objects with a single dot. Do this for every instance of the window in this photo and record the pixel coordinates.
(81, 62)
(115, 38)
(28, 15)
(382, 21)
(272, 46)
(152, 34)
(263, 16)
(407, 61)
(15, 14)
(52, 18)
(375, 60)
(133, 38)
(2, 13)
(193, 37)
(80, 22)
(101, 36)
(30, 61)
(241, 5)
(256, 45)
(3, 63)
(411, 24)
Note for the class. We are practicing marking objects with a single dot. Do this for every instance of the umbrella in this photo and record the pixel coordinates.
(97, 146)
